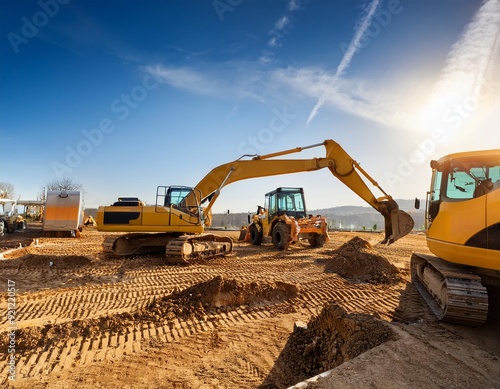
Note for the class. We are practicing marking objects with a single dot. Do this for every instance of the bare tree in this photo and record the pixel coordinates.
(61, 184)
(6, 190)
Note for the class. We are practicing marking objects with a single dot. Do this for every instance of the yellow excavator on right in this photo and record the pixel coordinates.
(462, 278)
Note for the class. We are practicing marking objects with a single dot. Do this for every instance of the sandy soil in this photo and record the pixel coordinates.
(258, 318)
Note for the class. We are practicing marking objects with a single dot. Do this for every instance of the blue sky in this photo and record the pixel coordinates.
(123, 96)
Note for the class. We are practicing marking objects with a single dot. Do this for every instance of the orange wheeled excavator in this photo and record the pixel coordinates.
(180, 215)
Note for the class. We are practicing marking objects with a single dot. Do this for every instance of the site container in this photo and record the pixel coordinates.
(63, 212)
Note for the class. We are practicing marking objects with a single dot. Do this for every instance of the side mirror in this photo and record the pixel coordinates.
(417, 203)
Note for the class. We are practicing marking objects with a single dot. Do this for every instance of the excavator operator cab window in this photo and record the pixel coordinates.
(177, 196)
(469, 179)
(434, 195)
(291, 202)
(272, 205)
(286, 201)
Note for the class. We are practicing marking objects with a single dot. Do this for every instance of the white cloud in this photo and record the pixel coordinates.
(293, 5)
(354, 46)
(279, 30)
(396, 104)
(273, 42)
(281, 23)
(354, 96)
(218, 80)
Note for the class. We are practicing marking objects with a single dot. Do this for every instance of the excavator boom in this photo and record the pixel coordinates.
(397, 223)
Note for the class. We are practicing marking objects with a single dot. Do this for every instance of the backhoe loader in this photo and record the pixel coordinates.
(463, 232)
(180, 216)
(285, 220)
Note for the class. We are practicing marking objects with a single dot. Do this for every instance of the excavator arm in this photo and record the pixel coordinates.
(397, 223)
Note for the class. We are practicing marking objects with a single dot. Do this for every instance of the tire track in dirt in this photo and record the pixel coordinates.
(95, 300)
(115, 344)
(134, 288)
(128, 340)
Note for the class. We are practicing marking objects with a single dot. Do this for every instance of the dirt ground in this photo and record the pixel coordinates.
(341, 316)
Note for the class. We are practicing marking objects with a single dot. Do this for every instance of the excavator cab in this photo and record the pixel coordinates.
(462, 208)
(289, 201)
(182, 199)
(463, 234)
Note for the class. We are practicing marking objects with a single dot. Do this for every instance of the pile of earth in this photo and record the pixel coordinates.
(217, 293)
(194, 302)
(47, 262)
(356, 260)
(329, 339)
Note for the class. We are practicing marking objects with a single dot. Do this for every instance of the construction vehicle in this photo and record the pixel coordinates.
(285, 220)
(180, 215)
(10, 219)
(463, 232)
(63, 213)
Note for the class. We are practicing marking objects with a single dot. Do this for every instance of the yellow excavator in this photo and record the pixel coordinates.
(180, 215)
(463, 232)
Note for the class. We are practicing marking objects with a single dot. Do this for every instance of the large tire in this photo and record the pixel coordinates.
(317, 241)
(255, 234)
(281, 235)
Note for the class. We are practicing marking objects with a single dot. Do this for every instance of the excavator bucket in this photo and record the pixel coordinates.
(397, 224)
(244, 234)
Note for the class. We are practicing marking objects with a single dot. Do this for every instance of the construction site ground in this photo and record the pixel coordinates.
(258, 318)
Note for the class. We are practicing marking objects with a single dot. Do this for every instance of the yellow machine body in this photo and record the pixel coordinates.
(463, 218)
(147, 218)
(463, 233)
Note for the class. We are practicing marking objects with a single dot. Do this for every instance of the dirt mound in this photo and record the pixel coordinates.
(33, 261)
(356, 260)
(194, 302)
(217, 293)
(330, 339)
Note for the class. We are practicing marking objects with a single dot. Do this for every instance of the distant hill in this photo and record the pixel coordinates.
(343, 217)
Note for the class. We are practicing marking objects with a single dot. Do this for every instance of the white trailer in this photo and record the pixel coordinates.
(63, 212)
(10, 220)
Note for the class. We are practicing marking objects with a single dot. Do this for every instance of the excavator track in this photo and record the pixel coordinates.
(136, 244)
(186, 248)
(453, 293)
